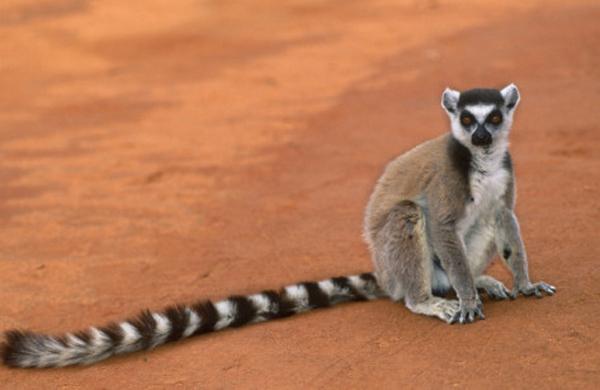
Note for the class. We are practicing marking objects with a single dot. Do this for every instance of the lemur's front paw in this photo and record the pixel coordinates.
(468, 312)
(498, 291)
(493, 288)
(537, 289)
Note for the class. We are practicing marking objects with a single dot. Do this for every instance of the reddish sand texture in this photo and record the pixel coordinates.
(155, 152)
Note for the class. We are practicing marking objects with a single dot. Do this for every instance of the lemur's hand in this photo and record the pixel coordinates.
(536, 289)
(469, 311)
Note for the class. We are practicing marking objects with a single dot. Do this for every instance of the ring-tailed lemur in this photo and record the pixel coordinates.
(434, 221)
(441, 211)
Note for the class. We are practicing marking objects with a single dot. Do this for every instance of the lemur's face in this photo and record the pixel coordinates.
(481, 117)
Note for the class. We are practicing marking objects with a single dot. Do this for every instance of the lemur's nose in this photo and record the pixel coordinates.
(481, 137)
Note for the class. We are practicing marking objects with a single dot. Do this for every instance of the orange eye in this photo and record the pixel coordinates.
(496, 119)
(466, 120)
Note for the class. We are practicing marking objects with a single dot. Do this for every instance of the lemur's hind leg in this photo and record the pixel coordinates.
(403, 262)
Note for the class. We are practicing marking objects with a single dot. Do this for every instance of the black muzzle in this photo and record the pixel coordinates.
(481, 137)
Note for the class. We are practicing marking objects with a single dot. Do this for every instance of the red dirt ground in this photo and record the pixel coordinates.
(158, 152)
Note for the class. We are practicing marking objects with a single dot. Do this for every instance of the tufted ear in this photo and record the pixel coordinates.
(450, 100)
(511, 96)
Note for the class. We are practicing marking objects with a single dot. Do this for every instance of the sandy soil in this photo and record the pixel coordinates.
(153, 153)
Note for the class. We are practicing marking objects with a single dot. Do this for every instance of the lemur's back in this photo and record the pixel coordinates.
(409, 177)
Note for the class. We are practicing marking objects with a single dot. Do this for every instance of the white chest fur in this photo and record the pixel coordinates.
(477, 227)
(487, 182)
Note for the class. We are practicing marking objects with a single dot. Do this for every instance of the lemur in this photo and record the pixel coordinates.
(434, 222)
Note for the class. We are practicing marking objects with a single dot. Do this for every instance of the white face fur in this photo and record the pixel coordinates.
(480, 121)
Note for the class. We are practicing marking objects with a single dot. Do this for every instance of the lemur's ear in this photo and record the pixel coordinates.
(450, 100)
(511, 96)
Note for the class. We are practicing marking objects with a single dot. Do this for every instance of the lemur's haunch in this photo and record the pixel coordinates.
(438, 215)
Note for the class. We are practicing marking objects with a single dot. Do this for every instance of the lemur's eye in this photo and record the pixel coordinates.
(495, 119)
(466, 120)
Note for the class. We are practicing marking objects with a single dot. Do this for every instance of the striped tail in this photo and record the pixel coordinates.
(151, 329)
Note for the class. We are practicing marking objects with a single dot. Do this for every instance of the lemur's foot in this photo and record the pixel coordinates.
(492, 287)
(447, 309)
(444, 309)
(538, 289)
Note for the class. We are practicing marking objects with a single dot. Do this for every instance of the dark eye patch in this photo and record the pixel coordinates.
(494, 118)
(467, 119)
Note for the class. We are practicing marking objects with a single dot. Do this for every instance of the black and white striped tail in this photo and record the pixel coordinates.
(150, 329)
